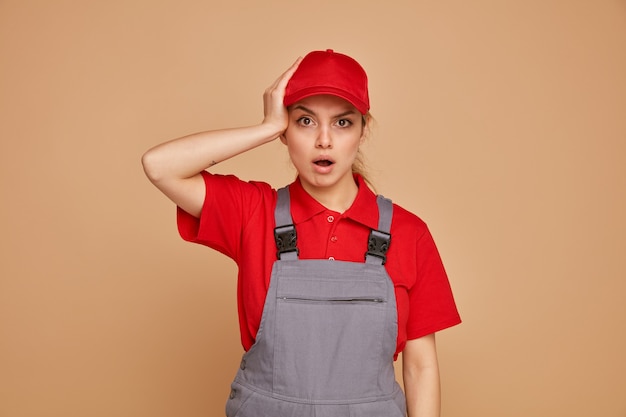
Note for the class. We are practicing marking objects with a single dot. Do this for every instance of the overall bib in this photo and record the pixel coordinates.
(327, 336)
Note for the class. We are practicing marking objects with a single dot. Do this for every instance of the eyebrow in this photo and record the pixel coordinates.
(307, 110)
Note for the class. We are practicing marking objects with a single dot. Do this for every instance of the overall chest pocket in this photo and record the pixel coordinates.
(332, 337)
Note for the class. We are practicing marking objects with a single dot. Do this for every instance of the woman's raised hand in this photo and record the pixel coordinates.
(274, 110)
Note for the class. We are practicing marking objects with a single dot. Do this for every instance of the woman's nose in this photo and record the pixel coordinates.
(323, 139)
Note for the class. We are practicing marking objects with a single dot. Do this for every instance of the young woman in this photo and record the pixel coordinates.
(334, 281)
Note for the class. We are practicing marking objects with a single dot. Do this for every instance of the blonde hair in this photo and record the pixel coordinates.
(359, 167)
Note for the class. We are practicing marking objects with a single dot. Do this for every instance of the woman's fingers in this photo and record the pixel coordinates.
(284, 79)
(274, 109)
(281, 82)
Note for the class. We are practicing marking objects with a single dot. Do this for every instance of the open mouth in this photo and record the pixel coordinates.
(323, 162)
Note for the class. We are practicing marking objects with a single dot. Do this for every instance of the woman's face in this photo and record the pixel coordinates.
(323, 138)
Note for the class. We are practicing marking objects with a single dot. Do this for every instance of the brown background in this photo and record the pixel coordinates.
(501, 123)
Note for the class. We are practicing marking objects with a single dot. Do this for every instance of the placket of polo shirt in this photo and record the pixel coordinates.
(333, 221)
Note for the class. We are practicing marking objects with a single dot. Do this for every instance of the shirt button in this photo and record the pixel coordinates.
(332, 258)
(333, 239)
(330, 219)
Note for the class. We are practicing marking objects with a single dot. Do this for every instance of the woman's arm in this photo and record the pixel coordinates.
(174, 167)
(420, 370)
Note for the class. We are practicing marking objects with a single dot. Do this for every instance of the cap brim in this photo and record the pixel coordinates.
(325, 90)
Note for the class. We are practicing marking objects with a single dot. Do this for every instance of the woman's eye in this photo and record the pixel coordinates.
(343, 123)
(305, 121)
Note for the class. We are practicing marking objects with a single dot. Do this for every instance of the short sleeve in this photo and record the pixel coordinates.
(228, 206)
(431, 303)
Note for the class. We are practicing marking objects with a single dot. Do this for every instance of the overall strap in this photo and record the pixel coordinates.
(285, 231)
(379, 240)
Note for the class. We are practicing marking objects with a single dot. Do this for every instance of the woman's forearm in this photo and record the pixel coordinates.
(187, 156)
(420, 371)
(423, 393)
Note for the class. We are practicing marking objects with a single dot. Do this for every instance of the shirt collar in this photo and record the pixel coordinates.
(363, 210)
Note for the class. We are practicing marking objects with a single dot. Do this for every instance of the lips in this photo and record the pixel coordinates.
(323, 165)
(323, 161)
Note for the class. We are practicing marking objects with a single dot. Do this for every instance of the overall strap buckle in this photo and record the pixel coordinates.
(378, 244)
(286, 239)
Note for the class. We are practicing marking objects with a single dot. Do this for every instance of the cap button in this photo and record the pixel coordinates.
(330, 51)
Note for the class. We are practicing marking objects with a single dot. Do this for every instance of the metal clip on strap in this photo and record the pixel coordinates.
(286, 239)
(378, 244)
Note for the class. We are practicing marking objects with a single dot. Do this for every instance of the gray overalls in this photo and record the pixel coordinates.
(327, 336)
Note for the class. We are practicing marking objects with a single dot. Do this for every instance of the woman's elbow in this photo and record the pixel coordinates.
(152, 166)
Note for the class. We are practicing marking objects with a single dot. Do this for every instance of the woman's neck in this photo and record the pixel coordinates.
(337, 198)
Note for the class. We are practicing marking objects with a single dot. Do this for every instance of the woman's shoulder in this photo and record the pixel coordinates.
(407, 223)
(407, 217)
(231, 193)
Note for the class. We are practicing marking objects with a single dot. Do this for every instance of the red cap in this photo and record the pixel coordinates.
(329, 72)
